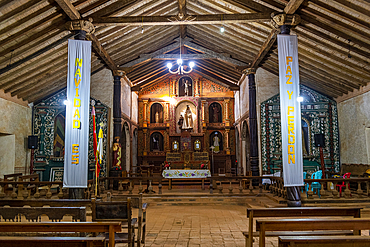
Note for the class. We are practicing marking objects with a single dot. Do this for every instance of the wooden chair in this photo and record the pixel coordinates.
(116, 211)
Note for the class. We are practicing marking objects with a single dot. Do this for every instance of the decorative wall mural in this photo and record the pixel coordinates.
(47, 116)
(319, 115)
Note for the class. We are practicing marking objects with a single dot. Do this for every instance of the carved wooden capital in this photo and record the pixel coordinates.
(249, 71)
(280, 19)
(119, 73)
(84, 25)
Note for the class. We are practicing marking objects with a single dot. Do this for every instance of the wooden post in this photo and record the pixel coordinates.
(253, 131)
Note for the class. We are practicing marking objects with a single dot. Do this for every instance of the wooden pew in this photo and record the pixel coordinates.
(140, 223)
(47, 202)
(52, 241)
(295, 212)
(119, 211)
(34, 213)
(108, 226)
(324, 241)
(332, 224)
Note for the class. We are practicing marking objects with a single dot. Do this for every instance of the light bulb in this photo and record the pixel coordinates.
(179, 61)
(66, 102)
(169, 65)
(191, 64)
(300, 99)
(142, 29)
(222, 29)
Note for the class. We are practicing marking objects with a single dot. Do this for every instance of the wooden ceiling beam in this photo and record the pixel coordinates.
(73, 13)
(69, 9)
(213, 77)
(226, 80)
(188, 19)
(35, 55)
(290, 8)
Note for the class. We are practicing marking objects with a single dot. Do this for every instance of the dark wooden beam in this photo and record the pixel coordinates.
(188, 20)
(291, 7)
(69, 9)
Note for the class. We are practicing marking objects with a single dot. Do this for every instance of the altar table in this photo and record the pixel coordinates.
(201, 173)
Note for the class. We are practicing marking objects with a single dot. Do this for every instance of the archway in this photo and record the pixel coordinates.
(156, 113)
(245, 148)
(134, 151)
(237, 150)
(156, 142)
(215, 113)
(125, 143)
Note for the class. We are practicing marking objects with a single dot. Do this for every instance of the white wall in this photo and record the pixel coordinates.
(125, 98)
(135, 108)
(15, 127)
(354, 118)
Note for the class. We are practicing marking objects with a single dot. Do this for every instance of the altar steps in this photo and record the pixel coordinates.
(249, 202)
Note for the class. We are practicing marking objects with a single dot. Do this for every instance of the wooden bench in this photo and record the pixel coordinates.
(52, 241)
(324, 241)
(295, 212)
(119, 211)
(57, 227)
(332, 224)
(34, 213)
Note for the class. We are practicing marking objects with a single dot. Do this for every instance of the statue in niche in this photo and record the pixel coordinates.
(155, 142)
(216, 112)
(180, 122)
(188, 123)
(117, 153)
(216, 143)
(157, 117)
(186, 84)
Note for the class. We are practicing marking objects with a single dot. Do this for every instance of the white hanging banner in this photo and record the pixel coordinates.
(77, 114)
(290, 108)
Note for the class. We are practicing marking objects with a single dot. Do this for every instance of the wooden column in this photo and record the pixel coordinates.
(204, 102)
(227, 120)
(293, 193)
(227, 137)
(117, 112)
(145, 122)
(253, 131)
(145, 132)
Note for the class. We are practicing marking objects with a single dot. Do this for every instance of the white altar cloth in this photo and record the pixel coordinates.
(201, 173)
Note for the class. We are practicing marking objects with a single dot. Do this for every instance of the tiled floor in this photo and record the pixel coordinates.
(196, 225)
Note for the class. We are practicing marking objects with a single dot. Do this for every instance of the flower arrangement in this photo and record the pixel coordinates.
(202, 166)
(166, 165)
(116, 168)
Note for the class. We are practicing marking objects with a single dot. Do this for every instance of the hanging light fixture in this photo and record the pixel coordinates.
(180, 68)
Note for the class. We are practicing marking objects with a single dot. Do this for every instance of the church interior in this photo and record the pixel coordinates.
(185, 143)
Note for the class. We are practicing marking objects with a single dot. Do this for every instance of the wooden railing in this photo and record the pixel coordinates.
(361, 190)
(30, 189)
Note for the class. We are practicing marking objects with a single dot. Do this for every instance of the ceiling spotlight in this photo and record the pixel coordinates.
(222, 29)
(300, 99)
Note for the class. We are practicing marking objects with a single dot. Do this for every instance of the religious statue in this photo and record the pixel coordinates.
(186, 84)
(157, 117)
(216, 110)
(117, 153)
(188, 123)
(216, 143)
(180, 122)
(155, 142)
